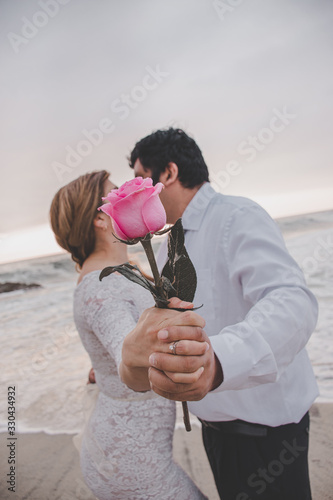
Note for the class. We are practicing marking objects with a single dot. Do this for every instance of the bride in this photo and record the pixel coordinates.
(126, 449)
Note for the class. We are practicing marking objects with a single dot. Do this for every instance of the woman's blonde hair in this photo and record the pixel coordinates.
(72, 213)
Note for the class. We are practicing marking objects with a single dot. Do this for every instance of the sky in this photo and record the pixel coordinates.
(251, 81)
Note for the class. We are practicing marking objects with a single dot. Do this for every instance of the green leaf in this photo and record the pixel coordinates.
(131, 272)
(179, 270)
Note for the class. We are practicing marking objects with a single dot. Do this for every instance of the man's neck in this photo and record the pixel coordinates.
(178, 207)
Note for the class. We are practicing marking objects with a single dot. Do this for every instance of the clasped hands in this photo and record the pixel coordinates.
(148, 361)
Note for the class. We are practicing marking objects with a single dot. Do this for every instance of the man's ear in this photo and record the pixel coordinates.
(170, 174)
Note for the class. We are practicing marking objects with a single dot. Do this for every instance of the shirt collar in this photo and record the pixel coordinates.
(195, 210)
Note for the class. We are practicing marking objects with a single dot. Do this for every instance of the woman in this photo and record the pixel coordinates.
(127, 444)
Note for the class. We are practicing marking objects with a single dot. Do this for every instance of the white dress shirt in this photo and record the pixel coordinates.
(258, 310)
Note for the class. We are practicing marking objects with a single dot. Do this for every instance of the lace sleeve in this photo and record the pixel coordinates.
(111, 314)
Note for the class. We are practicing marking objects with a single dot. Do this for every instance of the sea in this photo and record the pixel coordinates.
(44, 360)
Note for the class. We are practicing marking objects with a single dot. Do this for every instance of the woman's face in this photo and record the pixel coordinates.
(108, 185)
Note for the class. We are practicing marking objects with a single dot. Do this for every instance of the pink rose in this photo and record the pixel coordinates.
(135, 208)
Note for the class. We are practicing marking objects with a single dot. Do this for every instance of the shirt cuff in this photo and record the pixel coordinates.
(245, 362)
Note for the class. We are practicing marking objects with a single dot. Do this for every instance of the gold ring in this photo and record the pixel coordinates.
(173, 346)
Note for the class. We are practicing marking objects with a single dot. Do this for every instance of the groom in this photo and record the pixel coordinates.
(257, 383)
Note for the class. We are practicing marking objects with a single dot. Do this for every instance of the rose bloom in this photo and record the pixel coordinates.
(135, 208)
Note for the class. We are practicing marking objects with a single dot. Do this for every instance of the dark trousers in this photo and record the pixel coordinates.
(271, 464)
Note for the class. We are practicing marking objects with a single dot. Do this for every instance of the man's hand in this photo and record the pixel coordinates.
(143, 340)
(191, 373)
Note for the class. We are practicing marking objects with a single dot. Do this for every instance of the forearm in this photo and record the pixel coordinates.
(259, 348)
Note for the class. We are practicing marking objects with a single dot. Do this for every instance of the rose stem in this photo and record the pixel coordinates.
(151, 258)
(186, 416)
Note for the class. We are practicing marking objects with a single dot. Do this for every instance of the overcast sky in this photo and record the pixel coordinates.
(252, 84)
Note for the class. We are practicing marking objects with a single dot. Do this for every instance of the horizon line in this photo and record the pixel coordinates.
(49, 247)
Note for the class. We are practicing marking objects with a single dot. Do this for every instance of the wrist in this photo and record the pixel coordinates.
(218, 374)
(135, 354)
(126, 354)
(135, 378)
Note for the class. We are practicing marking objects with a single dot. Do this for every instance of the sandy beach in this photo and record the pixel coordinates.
(48, 465)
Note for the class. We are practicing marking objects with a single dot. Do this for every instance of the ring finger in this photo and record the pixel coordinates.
(186, 348)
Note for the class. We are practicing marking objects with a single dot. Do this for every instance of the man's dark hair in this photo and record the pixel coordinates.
(160, 148)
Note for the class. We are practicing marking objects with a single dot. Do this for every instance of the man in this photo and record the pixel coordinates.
(253, 387)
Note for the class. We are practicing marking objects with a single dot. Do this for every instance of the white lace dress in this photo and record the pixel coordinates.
(126, 448)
